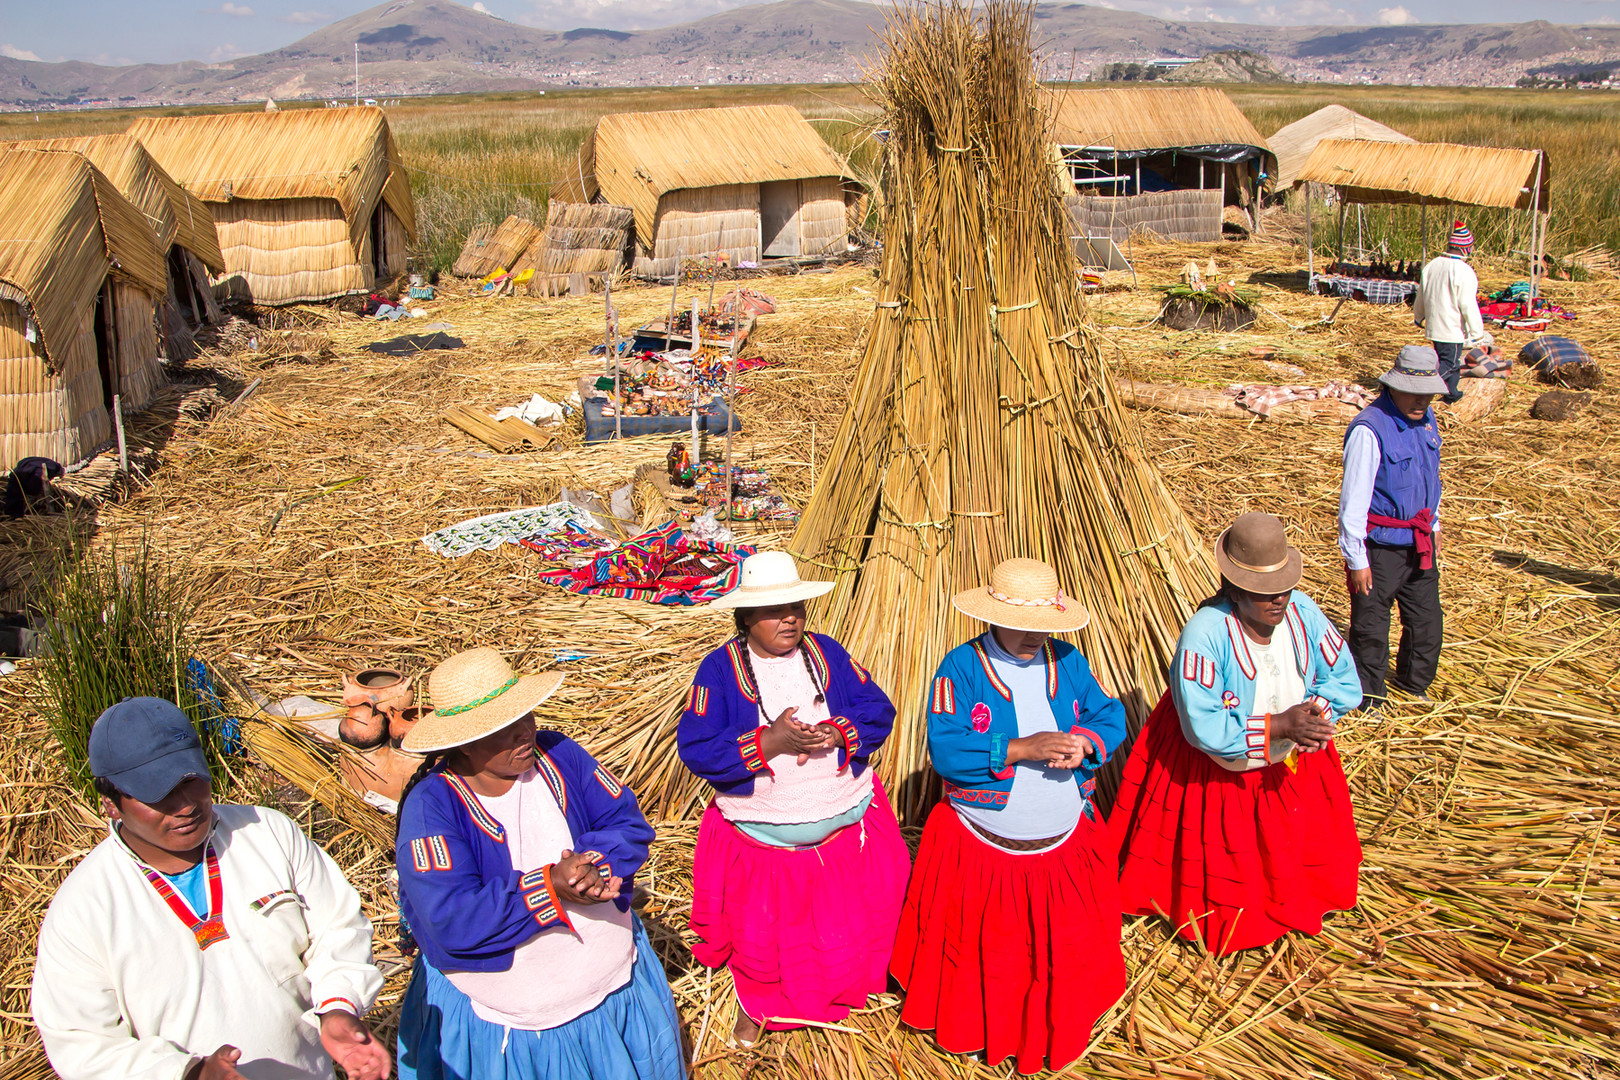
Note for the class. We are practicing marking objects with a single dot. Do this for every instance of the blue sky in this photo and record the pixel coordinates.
(163, 31)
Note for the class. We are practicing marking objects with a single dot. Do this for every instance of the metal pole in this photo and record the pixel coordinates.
(1538, 235)
(611, 340)
(1310, 246)
(1423, 228)
(669, 327)
(357, 73)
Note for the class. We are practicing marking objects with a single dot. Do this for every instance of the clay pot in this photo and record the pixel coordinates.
(387, 690)
(402, 721)
(363, 726)
(384, 770)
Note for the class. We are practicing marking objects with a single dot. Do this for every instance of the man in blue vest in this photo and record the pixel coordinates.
(1389, 527)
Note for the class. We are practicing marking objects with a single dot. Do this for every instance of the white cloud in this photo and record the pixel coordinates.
(238, 11)
(480, 8)
(224, 53)
(14, 53)
(1395, 16)
(304, 18)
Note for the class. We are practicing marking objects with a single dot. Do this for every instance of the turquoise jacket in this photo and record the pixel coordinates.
(971, 720)
(1212, 677)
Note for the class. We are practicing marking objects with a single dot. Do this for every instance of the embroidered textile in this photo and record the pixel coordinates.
(492, 530)
(662, 566)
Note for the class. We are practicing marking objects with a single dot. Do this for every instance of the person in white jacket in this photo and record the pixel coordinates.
(199, 942)
(1446, 305)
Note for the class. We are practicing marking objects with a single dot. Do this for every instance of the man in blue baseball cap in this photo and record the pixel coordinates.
(199, 942)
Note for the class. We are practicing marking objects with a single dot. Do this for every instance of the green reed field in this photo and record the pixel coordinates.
(476, 158)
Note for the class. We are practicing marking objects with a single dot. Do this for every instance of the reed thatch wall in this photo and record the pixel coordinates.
(396, 244)
(136, 328)
(53, 409)
(1386, 172)
(581, 238)
(488, 250)
(704, 221)
(1189, 217)
(286, 251)
(822, 227)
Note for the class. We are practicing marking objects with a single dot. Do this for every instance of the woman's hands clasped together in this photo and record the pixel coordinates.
(787, 735)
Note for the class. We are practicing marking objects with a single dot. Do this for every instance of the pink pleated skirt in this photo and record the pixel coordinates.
(806, 932)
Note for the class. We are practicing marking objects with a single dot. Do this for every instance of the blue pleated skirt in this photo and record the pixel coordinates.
(633, 1035)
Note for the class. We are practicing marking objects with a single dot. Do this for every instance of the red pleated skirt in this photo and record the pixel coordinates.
(1015, 955)
(1245, 856)
(806, 932)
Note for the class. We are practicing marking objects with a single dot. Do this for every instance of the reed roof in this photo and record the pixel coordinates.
(1294, 142)
(343, 154)
(634, 159)
(63, 227)
(175, 214)
(1150, 118)
(1385, 172)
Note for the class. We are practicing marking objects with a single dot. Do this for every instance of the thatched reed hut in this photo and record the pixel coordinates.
(1294, 142)
(81, 278)
(752, 183)
(309, 203)
(1167, 159)
(183, 223)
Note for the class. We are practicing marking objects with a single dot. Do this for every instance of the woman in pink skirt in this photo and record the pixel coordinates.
(800, 868)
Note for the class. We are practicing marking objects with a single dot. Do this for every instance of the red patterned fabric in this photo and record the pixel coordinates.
(1016, 955)
(1253, 854)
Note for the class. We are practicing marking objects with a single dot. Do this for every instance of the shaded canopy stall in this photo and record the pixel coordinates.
(751, 183)
(1294, 142)
(1168, 159)
(1430, 174)
(309, 203)
(81, 275)
(182, 222)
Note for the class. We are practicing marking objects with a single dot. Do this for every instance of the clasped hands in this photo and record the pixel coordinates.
(1058, 749)
(1306, 725)
(343, 1035)
(786, 735)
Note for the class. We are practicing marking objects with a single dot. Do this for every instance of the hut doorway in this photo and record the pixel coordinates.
(107, 344)
(779, 219)
(379, 244)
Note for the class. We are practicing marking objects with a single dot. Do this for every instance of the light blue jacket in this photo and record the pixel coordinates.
(1212, 677)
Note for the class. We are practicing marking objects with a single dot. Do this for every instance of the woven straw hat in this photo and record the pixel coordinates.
(1023, 594)
(475, 693)
(770, 578)
(1253, 554)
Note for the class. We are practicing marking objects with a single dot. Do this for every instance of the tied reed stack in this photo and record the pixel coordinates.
(983, 423)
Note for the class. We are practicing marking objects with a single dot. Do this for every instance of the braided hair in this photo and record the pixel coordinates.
(748, 662)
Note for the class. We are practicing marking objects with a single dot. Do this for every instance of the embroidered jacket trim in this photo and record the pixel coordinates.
(475, 808)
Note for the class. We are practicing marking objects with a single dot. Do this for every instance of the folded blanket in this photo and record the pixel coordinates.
(1260, 399)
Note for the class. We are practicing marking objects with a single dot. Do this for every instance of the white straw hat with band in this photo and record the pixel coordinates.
(1254, 554)
(476, 693)
(1023, 594)
(769, 578)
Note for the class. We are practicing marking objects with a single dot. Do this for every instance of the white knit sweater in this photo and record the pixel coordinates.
(1447, 301)
(121, 988)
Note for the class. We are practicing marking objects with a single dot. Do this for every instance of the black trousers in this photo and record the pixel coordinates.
(1396, 579)
(1450, 354)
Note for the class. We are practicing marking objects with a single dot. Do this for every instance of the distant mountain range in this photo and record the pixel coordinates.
(436, 46)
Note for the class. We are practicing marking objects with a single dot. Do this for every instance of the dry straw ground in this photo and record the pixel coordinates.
(1485, 944)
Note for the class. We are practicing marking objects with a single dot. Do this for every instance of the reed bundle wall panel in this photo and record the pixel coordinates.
(139, 373)
(704, 221)
(52, 410)
(822, 226)
(581, 238)
(290, 250)
(1188, 217)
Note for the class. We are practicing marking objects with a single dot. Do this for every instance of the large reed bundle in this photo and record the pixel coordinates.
(581, 238)
(486, 252)
(983, 423)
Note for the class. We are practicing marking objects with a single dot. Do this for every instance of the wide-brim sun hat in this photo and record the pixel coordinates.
(1416, 371)
(768, 579)
(476, 693)
(1254, 554)
(1023, 594)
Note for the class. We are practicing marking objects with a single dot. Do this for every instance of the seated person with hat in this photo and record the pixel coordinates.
(1389, 526)
(199, 942)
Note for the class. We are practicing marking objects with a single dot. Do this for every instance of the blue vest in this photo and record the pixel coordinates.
(1408, 467)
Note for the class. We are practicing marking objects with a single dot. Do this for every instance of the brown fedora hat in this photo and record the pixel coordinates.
(1254, 554)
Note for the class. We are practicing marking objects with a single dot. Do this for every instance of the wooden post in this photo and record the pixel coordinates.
(674, 291)
(1310, 247)
(1423, 227)
(1538, 235)
(1342, 206)
(118, 426)
(696, 341)
(1223, 188)
(1200, 174)
(612, 341)
(1139, 176)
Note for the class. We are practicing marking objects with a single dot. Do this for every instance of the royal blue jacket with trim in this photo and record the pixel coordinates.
(1212, 677)
(718, 736)
(465, 903)
(971, 720)
(1408, 477)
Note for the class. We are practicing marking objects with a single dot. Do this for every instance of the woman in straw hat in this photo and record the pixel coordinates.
(1009, 942)
(1233, 819)
(515, 853)
(800, 867)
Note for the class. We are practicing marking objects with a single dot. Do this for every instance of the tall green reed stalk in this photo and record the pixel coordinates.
(116, 627)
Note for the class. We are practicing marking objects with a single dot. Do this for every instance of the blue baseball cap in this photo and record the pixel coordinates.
(146, 748)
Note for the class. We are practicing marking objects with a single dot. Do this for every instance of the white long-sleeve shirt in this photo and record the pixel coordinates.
(1361, 454)
(122, 989)
(1446, 304)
